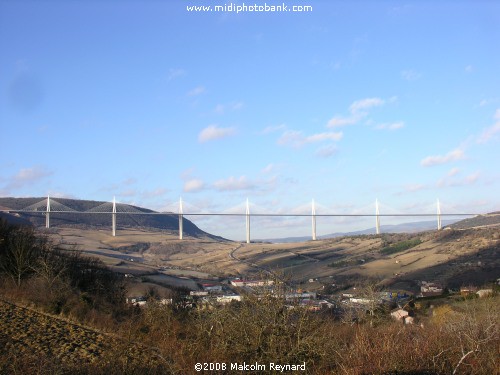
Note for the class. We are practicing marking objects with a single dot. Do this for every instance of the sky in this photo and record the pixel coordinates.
(346, 103)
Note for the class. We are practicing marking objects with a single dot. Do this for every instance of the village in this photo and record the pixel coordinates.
(352, 303)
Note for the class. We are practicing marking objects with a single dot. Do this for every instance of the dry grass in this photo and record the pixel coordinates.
(208, 258)
(62, 344)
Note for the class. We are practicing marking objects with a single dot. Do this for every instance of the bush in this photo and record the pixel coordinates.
(400, 246)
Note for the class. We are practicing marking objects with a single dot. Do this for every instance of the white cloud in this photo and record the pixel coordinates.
(222, 108)
(327, 151)
(236, 106)
(328, 136)
(213, 132)
(364, 104)
(472, 178)
(129, 181)
(26, 176)
(453, 172)
(359, 110)
(393, 126)
(196, 91)
(410, 75)
(490, 132)
(414, 187)
(450, 179)
(269, 168)
(469, 68)
(488, 101)
(175, 73)
(128, 193)
(273, 128)
(193, 185)
(293, 138)
(411, 188)
(453, 155)
(154, 193)
(342, 121)
(233, 183)
(219, 108)
(297, 139)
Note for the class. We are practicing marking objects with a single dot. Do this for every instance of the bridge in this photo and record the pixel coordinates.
(50, 205)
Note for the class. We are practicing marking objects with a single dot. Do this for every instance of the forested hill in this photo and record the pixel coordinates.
(143, 217)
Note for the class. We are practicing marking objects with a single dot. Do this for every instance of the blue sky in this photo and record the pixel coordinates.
(353, 101)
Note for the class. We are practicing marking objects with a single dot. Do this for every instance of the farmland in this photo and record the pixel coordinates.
(446, 255)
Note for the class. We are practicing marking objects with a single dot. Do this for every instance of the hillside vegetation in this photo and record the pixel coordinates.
(61, 312)
(148, 219)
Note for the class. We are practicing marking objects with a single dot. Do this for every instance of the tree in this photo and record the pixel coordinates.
(19, 250)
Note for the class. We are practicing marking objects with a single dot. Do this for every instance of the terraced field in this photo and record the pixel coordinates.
(26, 332)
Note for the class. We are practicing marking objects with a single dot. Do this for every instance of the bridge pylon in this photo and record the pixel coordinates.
(47, 213)
(181, 218)
(113, 218)
(248, 221)
(313, 219)
(377, 217)
(439, 224)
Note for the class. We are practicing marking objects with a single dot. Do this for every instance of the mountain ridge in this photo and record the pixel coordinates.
(83, 218)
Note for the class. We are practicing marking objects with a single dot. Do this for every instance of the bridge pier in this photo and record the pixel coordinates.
(439, 226)
(113, 218)
(248, 221)
(313, 217)
(377, 217)
(181, 218)
(47, 213)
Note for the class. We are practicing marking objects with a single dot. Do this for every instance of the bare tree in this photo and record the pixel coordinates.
(474, 327)
(20, 250)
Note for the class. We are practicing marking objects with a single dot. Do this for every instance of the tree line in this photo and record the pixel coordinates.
(31, 261)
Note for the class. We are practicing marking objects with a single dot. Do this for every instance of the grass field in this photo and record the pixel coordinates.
(432, 254)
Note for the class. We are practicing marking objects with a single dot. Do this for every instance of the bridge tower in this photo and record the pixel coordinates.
(439, 226)
(248, 221)
(113, 218)
(313, 218)
(47, 213)
(377, 217)
(181, 218)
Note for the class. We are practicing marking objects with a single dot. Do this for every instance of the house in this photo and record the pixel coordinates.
(301, 295)
(212, 287)
(395, 296)
(198, 293)
(468, 290)
(484, 293)
(137, 301)
(362, 301)
(430, 289)
(228, 298)
(242, 283)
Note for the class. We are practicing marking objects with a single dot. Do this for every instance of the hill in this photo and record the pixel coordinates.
(62, 344)
(412, 227)
(450, 257)
(79, 214)
(487, 220)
